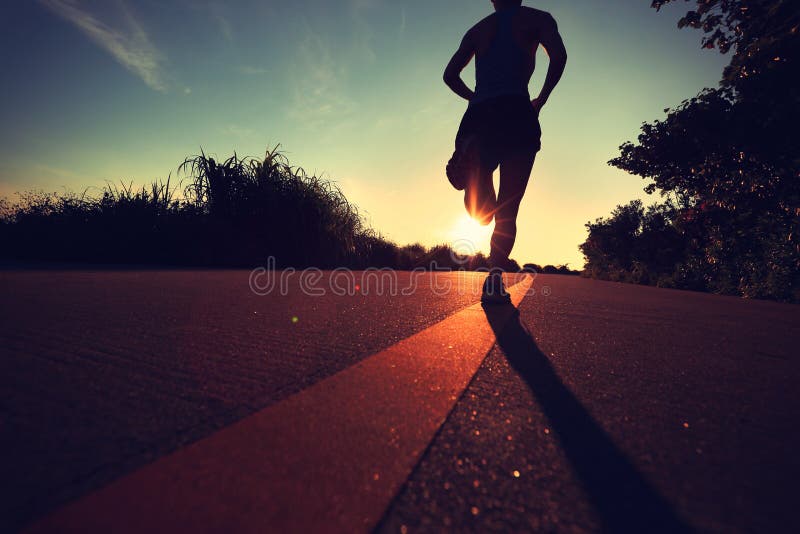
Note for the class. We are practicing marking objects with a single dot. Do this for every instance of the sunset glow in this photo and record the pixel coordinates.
(352, 89)
(469, 237)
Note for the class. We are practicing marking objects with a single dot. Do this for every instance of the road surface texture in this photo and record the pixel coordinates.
(602, 405)
(626, 408)
(102, 372)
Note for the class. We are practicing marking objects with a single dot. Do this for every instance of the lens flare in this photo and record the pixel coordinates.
(469, 237)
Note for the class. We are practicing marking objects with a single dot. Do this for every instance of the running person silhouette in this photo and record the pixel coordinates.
(501, 124)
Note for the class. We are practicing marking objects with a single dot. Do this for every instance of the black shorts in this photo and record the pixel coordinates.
(504, 126)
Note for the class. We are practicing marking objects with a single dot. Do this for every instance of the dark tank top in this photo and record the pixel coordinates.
(504, 68)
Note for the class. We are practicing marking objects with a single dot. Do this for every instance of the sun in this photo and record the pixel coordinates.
(469, 237)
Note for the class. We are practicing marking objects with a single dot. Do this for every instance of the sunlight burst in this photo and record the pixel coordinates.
(469, 236)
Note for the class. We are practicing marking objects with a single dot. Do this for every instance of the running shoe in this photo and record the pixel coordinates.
(494, 291)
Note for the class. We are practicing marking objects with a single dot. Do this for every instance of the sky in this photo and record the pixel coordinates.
(123, 90)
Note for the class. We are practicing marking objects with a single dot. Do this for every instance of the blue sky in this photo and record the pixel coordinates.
(123, 90)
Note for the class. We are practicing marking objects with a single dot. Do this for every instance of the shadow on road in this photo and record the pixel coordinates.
(621, 496)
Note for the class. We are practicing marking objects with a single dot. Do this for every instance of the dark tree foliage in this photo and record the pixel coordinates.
(730, 159)
(763, 35)
(764, 38)
(637, 245)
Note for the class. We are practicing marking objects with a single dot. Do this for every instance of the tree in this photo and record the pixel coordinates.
(763, 35)
(764, 38)
(634, 244)
(728, 159)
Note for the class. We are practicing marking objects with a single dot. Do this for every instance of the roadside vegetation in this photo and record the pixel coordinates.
(231, 213)
(727, 166)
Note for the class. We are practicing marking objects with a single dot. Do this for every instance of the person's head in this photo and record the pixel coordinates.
(502, 4)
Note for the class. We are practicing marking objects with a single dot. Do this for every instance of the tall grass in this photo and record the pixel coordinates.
(234, 212)
(270, 205)
(121, 224)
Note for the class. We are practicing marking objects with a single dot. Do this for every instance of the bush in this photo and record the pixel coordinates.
(237, 212)
(697, 247)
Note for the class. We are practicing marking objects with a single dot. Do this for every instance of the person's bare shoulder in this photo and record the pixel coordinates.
(538, 18)
(480, 26)
(538, 24)
(477, 33)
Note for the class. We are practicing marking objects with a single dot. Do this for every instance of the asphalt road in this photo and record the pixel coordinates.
(624, 408)
(103, 372)
(603, 405)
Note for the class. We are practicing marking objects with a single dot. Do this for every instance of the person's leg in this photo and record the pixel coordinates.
(515, 171)
(479, 195)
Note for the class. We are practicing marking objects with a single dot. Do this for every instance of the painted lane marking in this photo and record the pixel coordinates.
(329, 458)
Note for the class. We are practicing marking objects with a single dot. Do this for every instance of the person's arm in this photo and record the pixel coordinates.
(554, 46)
(452, 74)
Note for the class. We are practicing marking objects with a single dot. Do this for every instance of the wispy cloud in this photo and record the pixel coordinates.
(224, 23)
(120, 35)
(223, 14)
(234, 130)
(319, 93)
(362, 32)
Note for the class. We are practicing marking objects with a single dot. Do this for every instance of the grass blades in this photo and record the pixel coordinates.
(231, 213)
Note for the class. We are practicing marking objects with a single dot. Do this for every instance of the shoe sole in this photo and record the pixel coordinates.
(495, 300)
